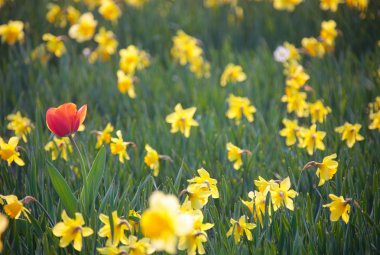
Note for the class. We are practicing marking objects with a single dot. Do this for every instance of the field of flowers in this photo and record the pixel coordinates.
(189, 127)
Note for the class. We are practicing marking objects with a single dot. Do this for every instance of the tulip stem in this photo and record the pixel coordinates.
(83, 166)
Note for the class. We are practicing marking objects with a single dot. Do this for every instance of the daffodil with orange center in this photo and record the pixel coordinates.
(71, 230)
(14, 208)
(9, 151)
(12, 32)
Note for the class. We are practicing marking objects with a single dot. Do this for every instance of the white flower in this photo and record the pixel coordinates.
(281, 54)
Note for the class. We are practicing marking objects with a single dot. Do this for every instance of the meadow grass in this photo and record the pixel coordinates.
(346, 80)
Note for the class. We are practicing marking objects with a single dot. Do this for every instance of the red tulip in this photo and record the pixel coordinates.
(65, 119)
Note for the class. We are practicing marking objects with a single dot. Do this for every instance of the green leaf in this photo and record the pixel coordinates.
(94, 178)
(63, 189)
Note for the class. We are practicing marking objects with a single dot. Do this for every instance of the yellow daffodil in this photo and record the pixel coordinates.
(125, 84)
(263, 185)
(294, 55)
(119, 147)
(331, 5)
(296, 77)
(318, 111)
(232, 73)
(14, 208)
(360, 5)
(239, 228)
(104, 137)
(313, 47)
(328, 34)
(198, 195)
(3, 227)
(12, 32)
(290, 131)
(20, 125)
(200, 67)
(84, 29)
(239, 107)
(288, 5)
(71, 230)
(182, 120)
(152, 159)
(185, 48)
(257, 205)
(132, 59)
(163, 222)
(281, 194)
(119, 227)
(134, 220)
(193, 241)
(350, 133)
(139, 247)
(204, 178)
(59, 146)
(107, 45)
(9, 151)
(109, 10)
(54, 44)
(312, 139)
(54, 11)
(137, 3)
(327, 169)
(72, 14)
(296, 102)
(234, 154)
(375, 121)
(339, 207)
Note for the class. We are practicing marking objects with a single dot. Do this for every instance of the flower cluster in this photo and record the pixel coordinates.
(186, 50)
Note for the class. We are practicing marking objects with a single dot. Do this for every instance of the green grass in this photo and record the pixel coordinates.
(346, 81)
